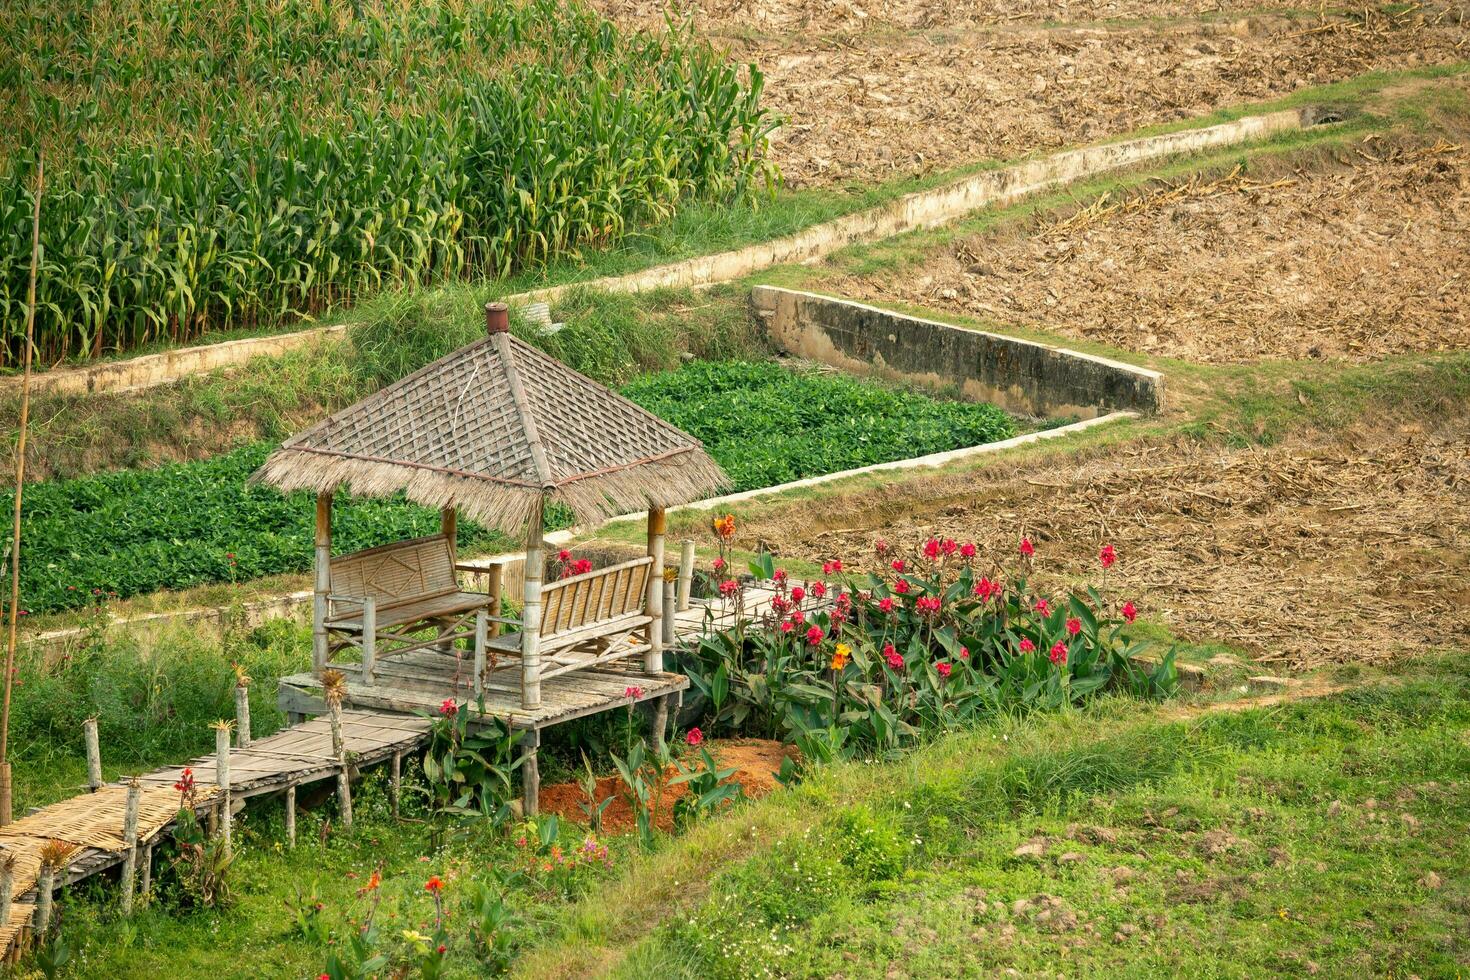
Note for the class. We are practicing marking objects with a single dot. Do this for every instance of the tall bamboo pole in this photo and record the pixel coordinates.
(20, 474)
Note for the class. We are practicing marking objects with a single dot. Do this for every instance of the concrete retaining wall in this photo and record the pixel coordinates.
(1018, 375)
(923, 209)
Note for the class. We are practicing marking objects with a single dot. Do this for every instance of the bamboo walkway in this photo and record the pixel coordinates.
(91, 824)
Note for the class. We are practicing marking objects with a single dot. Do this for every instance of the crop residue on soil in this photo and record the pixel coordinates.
(877, 91)
(1355, 549)
(756, 762)
(1357, 261)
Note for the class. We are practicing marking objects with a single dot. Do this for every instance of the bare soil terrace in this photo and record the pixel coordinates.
(1365, 257)
(877, 91)
(1344, 550)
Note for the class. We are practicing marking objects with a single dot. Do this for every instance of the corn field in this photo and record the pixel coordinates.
(214, 166)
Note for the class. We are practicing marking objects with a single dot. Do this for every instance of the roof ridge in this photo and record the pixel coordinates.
(508, 364)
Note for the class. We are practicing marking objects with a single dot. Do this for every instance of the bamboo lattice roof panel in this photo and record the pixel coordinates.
(491, 429)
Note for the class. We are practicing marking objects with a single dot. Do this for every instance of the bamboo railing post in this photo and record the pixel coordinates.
(94, 754)
(670, 605)
(130, 842)
(242, 716)
(334, 686)
(495, 584)
(291, 815)
(7, 885)
(686, 573)
(222, 779)
(395, 785)
(653, 660)
(531, 615)
(369, 639)
(482, 627)
(323, 587)
(449, 528)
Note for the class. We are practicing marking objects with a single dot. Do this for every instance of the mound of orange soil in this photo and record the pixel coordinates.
(756, 762)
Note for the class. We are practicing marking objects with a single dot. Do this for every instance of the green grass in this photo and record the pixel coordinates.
(1286, 840)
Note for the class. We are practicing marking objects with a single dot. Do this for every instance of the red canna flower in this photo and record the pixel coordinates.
(943, 669)
(886, 604)
(787, 626)
(931, 549)
(1059, 653)
(1107, 556)
(819, 589)
(563, 555)
(434, 884)
(880, 546)
(797, 593)
(1074, 625)
(780, 576)
(729, 587)
(815, 635)
(1027, 548)
(832, 567)
(1130, 611)
(987, 589)
(927, 605)
(967, 550)
(441, 949)
(899, 565)
(964, 653)
(1026, 645)
(891, 654)
(448, 708)
(798, 617)
(948, 546)
(634, 692)
(901, 587)
(1043, 607)
(719, 564)
(694, 737)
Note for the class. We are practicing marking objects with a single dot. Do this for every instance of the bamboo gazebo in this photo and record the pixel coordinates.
(496, 431)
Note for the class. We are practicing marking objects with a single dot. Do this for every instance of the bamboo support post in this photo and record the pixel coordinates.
(291, 815)
(449, 528)
(482, 626)
(530, 774)
(661, 720)
(222, 780)
(369, 639)
(145, 885)
(686, 573)
(339, 752)
(670, 604)
(45, 885)
(130, 842)
(531, 615)
(495, 584)
(94, 754)
(395, 785)
(653, 660)
(323, 587)
(242, 716)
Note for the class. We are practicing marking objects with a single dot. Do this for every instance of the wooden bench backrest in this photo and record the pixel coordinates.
(607, 593)
(403, 571)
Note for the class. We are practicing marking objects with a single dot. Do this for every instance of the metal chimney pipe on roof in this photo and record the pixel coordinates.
(497, 318)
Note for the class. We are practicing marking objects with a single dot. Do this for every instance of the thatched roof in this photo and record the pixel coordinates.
(493, 429)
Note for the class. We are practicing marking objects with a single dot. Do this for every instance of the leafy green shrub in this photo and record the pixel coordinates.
(347, 149)
(872, 846)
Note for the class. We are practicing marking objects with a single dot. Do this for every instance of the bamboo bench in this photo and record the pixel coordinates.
(384, 599)
(588, 619)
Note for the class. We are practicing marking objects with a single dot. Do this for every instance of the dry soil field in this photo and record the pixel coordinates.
(874, 91)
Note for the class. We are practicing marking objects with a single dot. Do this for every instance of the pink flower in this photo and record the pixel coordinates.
(1074, 625)
(886, 604)
(563, 555)
(819, 589)
(815, 635)
(1043, 607)
(581, 566)
(798, 594)
(943, 669)
(891, 654)
(901, 587)
(1027, 548)
(1130, 611)
(964, 653)
(931, 549)
(729, 587)
(880, 546)
(780, 576)
(719, 564)
(633, 692)
(1026, 645)
(787, 626)
(1107, 556)
(898, 565)
(832, 567)
(798, 617)
(449, 709)
(694, 736)
(967, 550)
(986, 589)
(779, 604)
(927, 605)
(1058, 653)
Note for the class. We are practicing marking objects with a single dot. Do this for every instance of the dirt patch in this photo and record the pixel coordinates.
(1365, 257)
(756, 762)
(872, 92)
(1351, 550)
